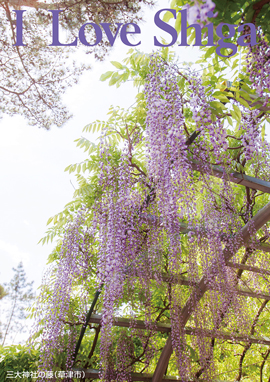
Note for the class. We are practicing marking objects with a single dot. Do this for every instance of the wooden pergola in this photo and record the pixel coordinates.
(201, 287)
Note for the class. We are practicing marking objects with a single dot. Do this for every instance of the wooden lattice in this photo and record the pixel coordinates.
(200, 288)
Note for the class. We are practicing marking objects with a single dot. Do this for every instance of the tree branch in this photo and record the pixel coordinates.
(258, 7)
(248, 345)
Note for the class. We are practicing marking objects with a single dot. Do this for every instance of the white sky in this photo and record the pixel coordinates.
(33, 183)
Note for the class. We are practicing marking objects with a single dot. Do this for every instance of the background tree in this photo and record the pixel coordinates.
(19, 297)
(33, 77)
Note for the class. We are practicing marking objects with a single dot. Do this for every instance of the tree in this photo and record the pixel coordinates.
(19, 296)
(34, 76)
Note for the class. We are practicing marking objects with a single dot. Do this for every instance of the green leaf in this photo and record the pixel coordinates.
(114, 79)
(217, 105)
(209, 52)
(245, 95)
(263, 132)
(235, 63)
(237, 112)
(243, 102)
(229, 120)
(168, 15)
(221, 97)
(234, 115)
(105, 76)
(50, 220)
(118, 65)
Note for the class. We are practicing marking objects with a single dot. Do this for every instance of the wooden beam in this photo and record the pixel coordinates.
(156, 221)
(242, 238)
(235, 177)
(127, 323)
(226, 336)
(265, 247)
(166, 328)
(184, 228)
(245, 267)
(248, 293)
(176, 279)
(181, 280)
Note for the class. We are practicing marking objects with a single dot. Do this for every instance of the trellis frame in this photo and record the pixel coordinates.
(200, 288)
(262, 217)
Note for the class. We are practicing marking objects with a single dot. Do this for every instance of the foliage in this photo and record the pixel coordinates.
(239, 11)
(18, 358)
(224, 11)
(233, 12)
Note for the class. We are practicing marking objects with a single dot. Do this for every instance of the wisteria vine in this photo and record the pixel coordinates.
(159, 216)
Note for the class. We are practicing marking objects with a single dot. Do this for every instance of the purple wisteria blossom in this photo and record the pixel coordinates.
(162, 217)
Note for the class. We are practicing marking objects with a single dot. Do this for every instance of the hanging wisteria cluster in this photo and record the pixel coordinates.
(170, 163)
(168, 215)
(259, 67)
(73, 265)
